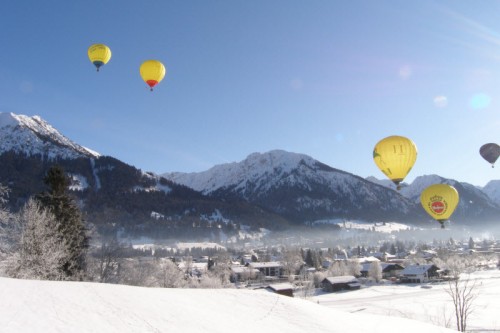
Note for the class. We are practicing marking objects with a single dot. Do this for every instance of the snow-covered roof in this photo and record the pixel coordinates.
(243, 269)
(280, 286)
(366, 266)
(266, 264)
(416, 269)
(367, 259)
(342, 279)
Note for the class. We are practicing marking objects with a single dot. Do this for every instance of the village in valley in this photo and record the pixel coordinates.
(300, 266)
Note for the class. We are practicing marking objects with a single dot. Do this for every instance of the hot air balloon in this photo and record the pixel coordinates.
(99, 54)
(439, 201)
(490, 152)
(395, 156)
(152, 72)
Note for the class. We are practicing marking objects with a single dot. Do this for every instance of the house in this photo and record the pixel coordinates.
(285, 289)
(194, 268)
(419, 273)
(388, 269)
(243, 273)
(270, 268)
(336, 283)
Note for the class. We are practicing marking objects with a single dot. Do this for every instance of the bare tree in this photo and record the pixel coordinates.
(210, 281)
(248, 274)
(4, 191)
(222, 269)
(353, 267)
(338, 268)
(318, 277)
(307, 283)
(375, 271)
(104, 263)
(40, 253)
(463, 293)
(8, 230)
(168, 274)
(4, 216)
(188, 265)
(462, 290)
(138, 272)
(291, 261)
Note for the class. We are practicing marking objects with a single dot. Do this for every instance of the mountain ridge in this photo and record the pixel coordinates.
(39, 137)
(272, 189)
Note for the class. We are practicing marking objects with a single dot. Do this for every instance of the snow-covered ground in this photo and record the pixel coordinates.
(48, 306)
(432, 305)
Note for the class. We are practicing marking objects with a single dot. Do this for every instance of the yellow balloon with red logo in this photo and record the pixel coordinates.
(152, 72)
(440, 201)
(395, 156)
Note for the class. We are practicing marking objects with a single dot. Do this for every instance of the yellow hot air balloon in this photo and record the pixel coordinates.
(152, 72)
(439, 201)
(395, 156)
(99, 54)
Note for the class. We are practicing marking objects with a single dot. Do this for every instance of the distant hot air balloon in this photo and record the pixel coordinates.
(99, 54)
(395, 156)
(490, 152)
(439, 201)
(152, 72)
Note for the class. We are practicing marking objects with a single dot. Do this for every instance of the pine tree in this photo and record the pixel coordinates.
(70, 224)
(471, 243)
(309, 258)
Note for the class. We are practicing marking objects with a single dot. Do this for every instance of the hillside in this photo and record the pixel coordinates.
(48, 306)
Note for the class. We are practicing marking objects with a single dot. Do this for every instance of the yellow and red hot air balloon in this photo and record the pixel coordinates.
(440, 201)
(152, 72)
(395, 156)
(99, 55)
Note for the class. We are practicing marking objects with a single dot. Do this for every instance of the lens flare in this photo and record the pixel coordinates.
(480, 101)
(440, 101)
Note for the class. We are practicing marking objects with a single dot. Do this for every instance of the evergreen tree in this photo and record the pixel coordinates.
(70, 224)
(392, 249)
(309, 258)
(471, 243)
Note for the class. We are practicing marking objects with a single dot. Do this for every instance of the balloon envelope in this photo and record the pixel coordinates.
(99, 54)
(490, 152)
(395, 156)
(152, 72)
(439, 201)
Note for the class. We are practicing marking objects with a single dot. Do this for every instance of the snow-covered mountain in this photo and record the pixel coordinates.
(475, 203)
(299, 187)
(265, 189)
(112, 194)
(34, 136)
(492, 189)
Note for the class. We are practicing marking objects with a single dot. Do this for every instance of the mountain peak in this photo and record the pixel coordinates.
(35, 136)
(259, 168)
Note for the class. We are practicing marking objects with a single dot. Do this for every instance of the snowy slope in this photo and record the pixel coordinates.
(432, 305)
(49, 306)
(34, 136)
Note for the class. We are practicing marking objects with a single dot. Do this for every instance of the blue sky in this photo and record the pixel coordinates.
(324, 78)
